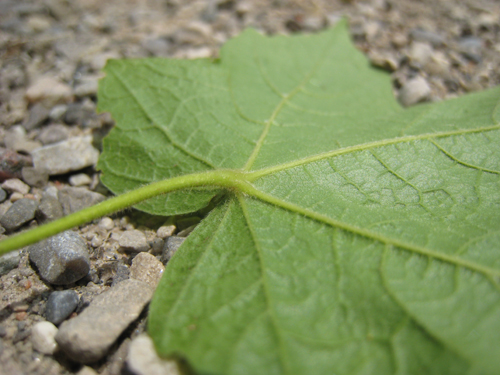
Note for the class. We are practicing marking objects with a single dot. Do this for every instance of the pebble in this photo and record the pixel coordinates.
(11, 163)
(427, 36)
(142, 359)
(98, 61)
(74, 199)
(80, 179)
(15, 139)
(414, 91)
(3, 195)
(43, 337)
(57, 112)
(49, 91)
(165, 231)
(85, 370)
(9, 261)
(79, 113)
(145, 267)
(87, 87)
(60, 305)
(49, 209)
(53, 133)
(106, 223)
(35, 177)
(438, 64)
(88, 337)
(4, 207)
(470, 47)
(156, 46)
(37, 116)
(61, 259)
(66, 156)
(16, 196)
(420, 53)
(15, 185)
(384, 62)
(172, 244)
(133, 241)
(19, 213)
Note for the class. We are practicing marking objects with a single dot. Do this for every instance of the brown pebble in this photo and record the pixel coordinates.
(21, 315)
(25, 283)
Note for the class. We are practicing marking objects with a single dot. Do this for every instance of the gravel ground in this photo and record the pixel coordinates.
(51, 53)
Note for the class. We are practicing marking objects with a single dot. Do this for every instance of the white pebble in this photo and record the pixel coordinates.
(80, 179)
(143, 360)
(414, 91)
(15, 185)
(106, 223)
(43, 337)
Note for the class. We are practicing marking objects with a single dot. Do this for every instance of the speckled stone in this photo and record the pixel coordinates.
(60, 305)
(61, 259)
(22, 211)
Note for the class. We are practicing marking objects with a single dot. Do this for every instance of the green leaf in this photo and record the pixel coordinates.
(354, 237)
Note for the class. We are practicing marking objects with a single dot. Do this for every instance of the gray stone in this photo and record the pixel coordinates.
(88, 337)
(49, 209)
(57, 112)
(15, 139)
(60, 305)
(414, 91)
(66, 156)
(49, 91)
(165, 231)
(35, 177)
(61, 259)
(15, 185)
(74, 199)
(142, 359)
(420, 53)
(172, 244)
(19, 213)
(9, 261)
(37, 116)
(53, 133)
(121, 273)
(87, 87)
(145, 267)
(470, 47)
(43, 337)
(79, 113)
(156, 46)
(427, 36)
(3, 195)
(133, 241)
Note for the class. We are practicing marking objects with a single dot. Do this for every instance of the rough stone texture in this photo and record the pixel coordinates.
(49, 91)
(9, 261)
(145, 267)
(16, 185)
(49, 209)
(88, 337)
(80, 179)
(3, 195)
(172, 244)
(38, 114)
(133, 241)
(143, 360)
(43, 337)
(165, 231)
(70, 155)
(35, 177)
(75, 198)
(60, 305)
(19, 213)
(61, 259)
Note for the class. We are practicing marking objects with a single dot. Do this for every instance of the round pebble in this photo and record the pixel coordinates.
(106, 223)
(60, 305)
(43, 337)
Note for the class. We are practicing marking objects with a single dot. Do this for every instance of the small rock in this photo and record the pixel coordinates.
(172, 244)
(60, 305)
(71, 155)
(384, 62)
(313, 23)
(85, 370)
(61, 259)
(80, 179)
(87, 87)
(157, 246)
(143, 360)
(16, 185)
(80, 113)
(53, 133)
(38, 115)
(49, 91)
(3, 195)
(57, 112)
(19, 213)
(15, 139)
(106, 223)
(9, 261)
(11, 164)
(156, 46)
(145, 267)
(133, 241)
(427, 36)
(438, 64)
(14, 197)
(4, 207)
(35, 177)
(470, 47)
(165, 231)
(98, 61)
(420, 53)
(49, 209)
(88, 337)
(43, 337)
(74, 199)
(414, 91)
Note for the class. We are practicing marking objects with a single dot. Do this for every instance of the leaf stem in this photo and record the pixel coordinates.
(221, 178)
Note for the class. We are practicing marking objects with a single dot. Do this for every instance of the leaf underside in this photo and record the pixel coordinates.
(370, 243)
